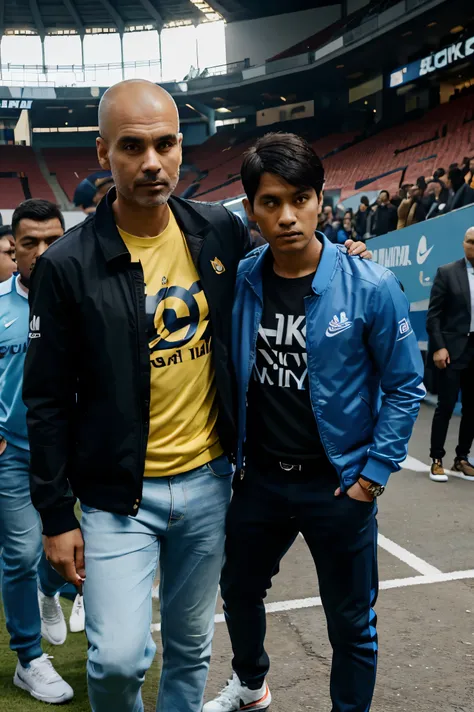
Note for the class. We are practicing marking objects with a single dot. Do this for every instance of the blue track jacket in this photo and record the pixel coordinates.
(364, 366)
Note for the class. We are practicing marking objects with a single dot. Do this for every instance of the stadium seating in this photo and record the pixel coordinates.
(11, 192)
(386, 159)
(448, 133)
(71, 165)
(22, 160)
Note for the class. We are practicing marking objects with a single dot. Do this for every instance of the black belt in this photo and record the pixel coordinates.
(288, 466)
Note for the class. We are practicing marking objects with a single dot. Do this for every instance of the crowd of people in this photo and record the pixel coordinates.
(427, 198)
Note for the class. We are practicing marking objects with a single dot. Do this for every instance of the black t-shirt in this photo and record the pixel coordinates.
(280, 420)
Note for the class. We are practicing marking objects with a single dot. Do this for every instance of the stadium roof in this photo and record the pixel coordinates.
(53, 16)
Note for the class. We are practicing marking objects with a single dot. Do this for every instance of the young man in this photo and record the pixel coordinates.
(450, 326)
(131, 407)
(36, 224)
(318, 337)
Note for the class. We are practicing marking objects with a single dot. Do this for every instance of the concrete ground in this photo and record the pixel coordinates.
(425, 607)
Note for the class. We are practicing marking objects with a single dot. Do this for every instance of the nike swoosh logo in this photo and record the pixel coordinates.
(330, 333)
(7, 324)
(423, 256)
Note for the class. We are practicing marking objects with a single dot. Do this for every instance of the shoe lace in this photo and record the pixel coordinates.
(52, 611)
(42, 668)
(230, 693)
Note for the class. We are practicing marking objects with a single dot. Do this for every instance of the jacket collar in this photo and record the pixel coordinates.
(324, 273)
(191, 222)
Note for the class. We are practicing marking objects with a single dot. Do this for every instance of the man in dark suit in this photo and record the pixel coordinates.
(450, 325)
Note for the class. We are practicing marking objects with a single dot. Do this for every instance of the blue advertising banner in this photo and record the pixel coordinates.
(456, 52)
(415, 253)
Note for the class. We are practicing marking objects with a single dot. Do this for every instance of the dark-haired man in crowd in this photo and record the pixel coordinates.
(29, 613)
(469, 174)
(141, 425)
(385, 218)
(317, 337)
(361, 217)
(461, 193)
(434, 202)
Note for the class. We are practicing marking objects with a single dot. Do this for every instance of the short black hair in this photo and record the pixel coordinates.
(457, 178)
(439, 173)
(365, 201)
(285, 155)
(6, 230)
(36, 209)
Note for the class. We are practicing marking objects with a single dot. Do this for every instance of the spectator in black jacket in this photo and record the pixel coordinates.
(360, 220)
(469, 174)
(435, 199)
(385, 218)
(461, 193)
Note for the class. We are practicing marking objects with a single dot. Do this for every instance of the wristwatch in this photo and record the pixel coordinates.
(371, 487)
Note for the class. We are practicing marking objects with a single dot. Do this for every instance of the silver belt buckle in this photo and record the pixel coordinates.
(289, 468)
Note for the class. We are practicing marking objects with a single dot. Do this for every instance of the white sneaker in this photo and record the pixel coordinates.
(42, 681)
(77, 621)
(53, 625)
(235, 697)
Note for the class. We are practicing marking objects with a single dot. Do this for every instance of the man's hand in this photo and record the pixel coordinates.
(356, 492)
(358, 248)
(441, 358)
(65, 553)
(3, 445)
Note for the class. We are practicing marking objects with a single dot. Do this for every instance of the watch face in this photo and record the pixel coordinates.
(376, 490)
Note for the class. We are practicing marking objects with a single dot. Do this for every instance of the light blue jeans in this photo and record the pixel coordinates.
(181, 525)
(23, 559)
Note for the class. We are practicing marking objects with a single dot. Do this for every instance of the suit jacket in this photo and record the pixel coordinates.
(464, 196)
(449, 314)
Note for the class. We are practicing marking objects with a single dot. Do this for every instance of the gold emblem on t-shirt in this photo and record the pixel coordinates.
(217, 265)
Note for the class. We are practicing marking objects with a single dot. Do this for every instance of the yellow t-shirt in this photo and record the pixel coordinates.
(183, 408)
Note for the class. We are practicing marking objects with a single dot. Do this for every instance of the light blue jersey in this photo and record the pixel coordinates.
(14, 317)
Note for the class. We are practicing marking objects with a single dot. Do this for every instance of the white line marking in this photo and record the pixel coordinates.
(413, 561)
(407, 557)
(299, 603)
(411, 463)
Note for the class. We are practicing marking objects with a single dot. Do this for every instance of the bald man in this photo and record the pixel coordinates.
(130, 397)
(450, 325)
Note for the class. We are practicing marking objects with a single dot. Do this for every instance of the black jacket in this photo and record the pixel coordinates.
(449, 314)
(87, 371)
(384, 220)
(464, 196)
(361, 222)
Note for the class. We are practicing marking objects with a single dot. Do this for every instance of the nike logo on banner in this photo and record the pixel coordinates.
(7, 324)
(423, 252)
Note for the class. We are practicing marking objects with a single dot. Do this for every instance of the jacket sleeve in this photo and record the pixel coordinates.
(49, 394)
(435, 311)
(395, 351)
